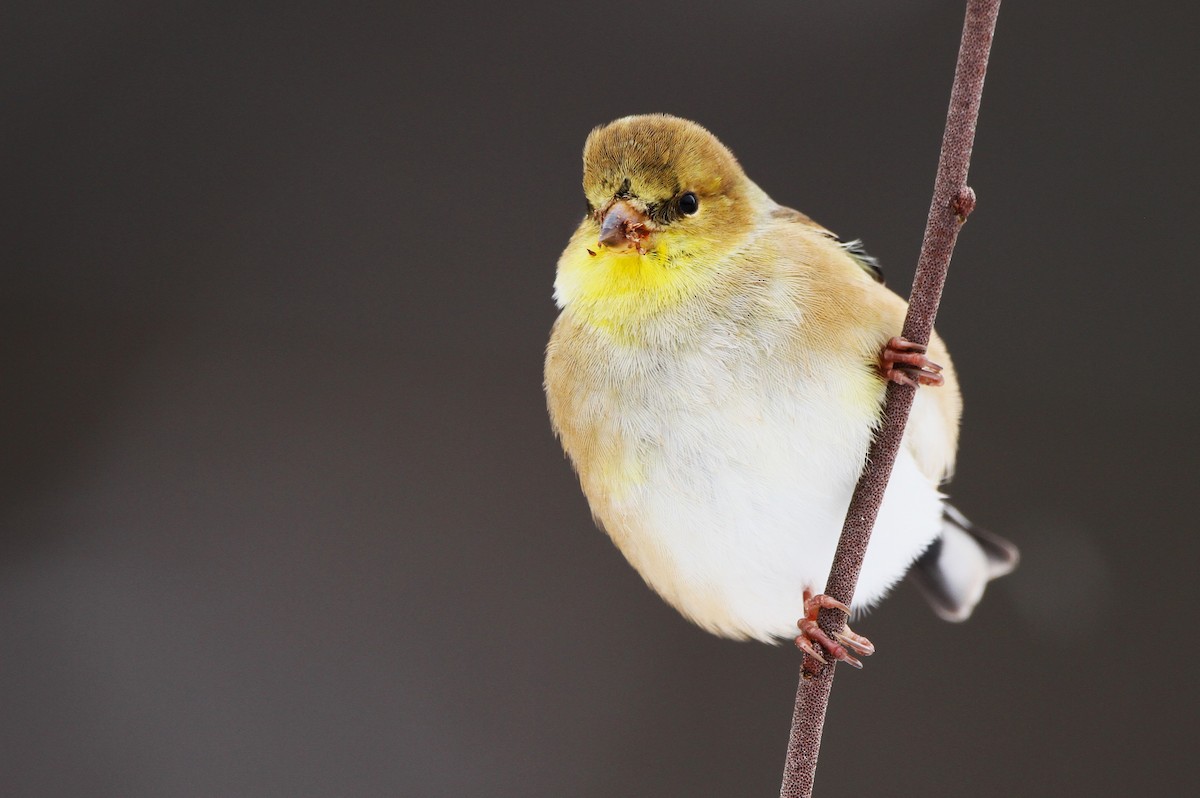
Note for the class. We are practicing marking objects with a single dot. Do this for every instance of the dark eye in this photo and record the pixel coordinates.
(689, 204)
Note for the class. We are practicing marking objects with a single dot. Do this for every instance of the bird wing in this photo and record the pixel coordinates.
(847, 312)
(853, 248)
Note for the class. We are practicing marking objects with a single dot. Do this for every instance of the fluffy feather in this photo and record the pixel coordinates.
(717, 394)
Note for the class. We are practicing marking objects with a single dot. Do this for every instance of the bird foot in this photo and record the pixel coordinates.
(904, 362)
(839, 644)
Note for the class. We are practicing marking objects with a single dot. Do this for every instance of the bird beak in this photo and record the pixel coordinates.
(625, 227)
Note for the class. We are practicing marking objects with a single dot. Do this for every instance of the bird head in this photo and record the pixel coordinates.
(666, 202)
(663, 185)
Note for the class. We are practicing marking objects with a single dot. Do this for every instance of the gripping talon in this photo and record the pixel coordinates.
(805, 645)
(813, 639)
(904, 362)
(855, 641)
(815, 603)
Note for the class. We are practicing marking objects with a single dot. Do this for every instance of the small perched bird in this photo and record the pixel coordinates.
(716, 376)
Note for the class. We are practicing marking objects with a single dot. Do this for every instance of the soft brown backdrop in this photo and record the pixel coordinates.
(282, 514)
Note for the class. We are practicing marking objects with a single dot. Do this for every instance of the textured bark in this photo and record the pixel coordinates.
(952, 202)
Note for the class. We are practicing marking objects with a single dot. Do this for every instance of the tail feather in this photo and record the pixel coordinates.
(953, 572)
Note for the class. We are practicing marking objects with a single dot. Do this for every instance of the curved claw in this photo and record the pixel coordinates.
(815, 603)
(812, 637)
(805, 645)
(904, 362)
(855, 641)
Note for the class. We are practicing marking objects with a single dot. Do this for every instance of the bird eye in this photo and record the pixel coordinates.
(689, 203)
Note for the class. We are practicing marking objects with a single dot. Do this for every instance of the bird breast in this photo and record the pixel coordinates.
(720, 467)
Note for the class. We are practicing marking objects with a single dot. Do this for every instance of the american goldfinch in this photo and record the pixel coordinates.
(716, 375)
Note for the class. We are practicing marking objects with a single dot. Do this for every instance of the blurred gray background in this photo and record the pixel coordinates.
(281, 510)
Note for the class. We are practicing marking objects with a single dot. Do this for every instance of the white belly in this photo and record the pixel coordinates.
(739, 496)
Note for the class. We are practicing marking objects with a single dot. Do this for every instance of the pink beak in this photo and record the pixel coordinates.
(624, 227)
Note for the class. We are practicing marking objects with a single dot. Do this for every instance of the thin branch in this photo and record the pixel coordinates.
(952, 202)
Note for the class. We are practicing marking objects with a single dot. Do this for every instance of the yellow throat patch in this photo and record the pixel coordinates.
(611, 289)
